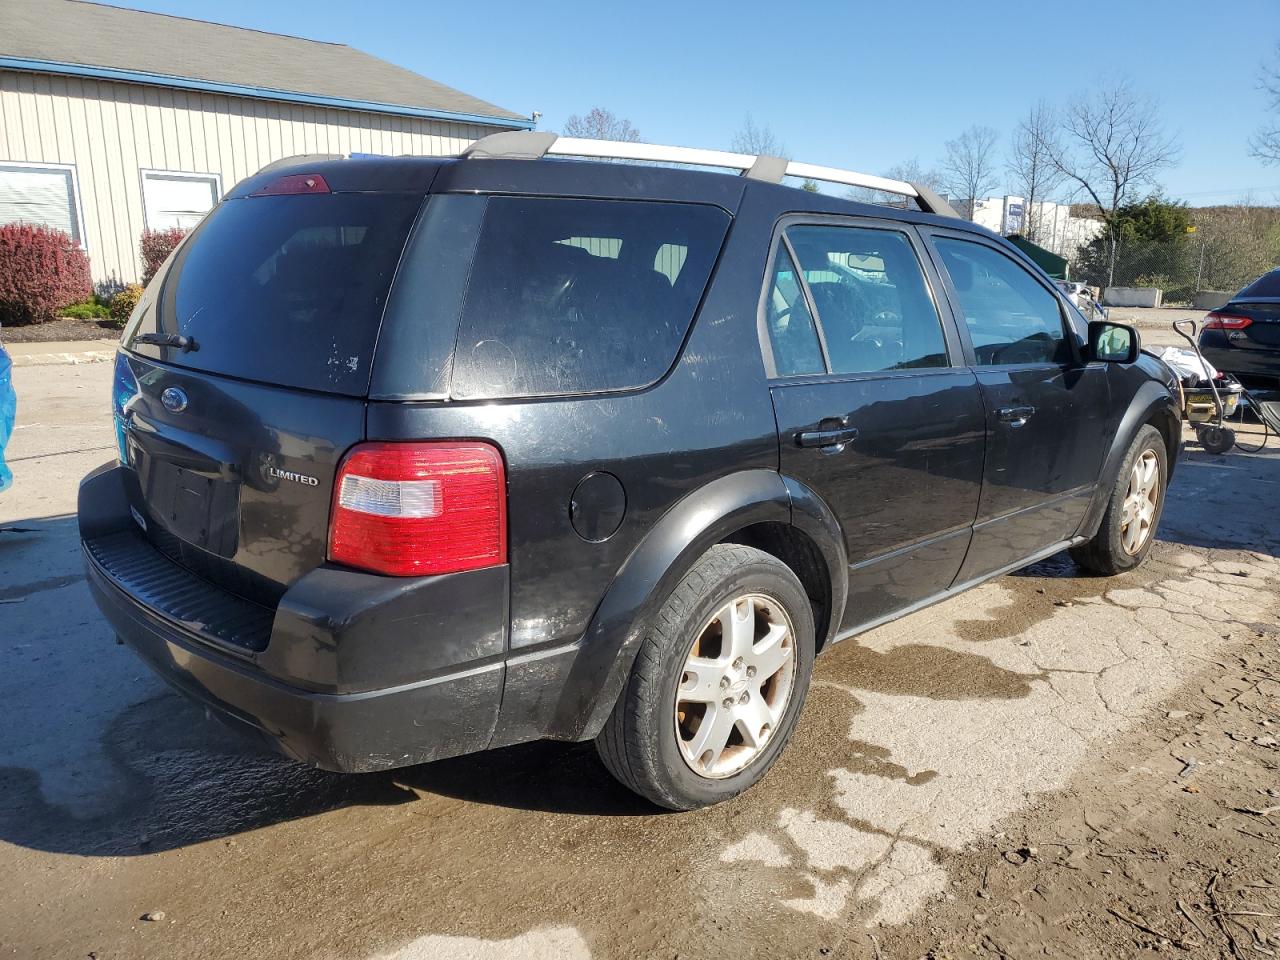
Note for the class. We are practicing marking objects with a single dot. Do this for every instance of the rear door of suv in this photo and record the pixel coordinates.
(876, 410)
(1048, 411)
(243, 377)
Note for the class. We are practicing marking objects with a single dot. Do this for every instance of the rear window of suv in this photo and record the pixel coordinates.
(287, 290)
(533, 296)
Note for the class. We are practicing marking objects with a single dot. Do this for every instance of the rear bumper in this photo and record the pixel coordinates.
(1249, 363)
(321, 690)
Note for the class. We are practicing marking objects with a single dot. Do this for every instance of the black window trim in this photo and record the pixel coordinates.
(957, 358)
(1069, 331)
(810, 304)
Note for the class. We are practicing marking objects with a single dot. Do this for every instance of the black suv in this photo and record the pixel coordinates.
(423, 456)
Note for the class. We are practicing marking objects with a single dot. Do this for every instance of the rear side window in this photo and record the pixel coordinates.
(286, 289)
(580, 296)
(872, 302)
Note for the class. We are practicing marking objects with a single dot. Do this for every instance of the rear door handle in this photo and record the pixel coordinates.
(833, 437)
(1015, 416)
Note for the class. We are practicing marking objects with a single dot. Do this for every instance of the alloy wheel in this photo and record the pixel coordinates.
(1139, 508)
(735, 686)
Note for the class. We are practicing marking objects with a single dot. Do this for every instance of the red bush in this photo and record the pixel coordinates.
(41, 271)
(156, 247)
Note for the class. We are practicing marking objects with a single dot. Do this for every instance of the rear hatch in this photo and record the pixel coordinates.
(244, 373)
(1263, 328)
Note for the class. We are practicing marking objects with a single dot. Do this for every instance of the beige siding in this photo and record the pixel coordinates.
(111, 131)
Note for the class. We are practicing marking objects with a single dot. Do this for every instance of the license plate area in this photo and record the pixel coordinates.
(200, 510)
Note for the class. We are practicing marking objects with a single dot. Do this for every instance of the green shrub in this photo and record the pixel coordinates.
(89, 310)
(122, 303)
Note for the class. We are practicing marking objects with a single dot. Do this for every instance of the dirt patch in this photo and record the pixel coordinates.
(65, 329)
(1170, 844)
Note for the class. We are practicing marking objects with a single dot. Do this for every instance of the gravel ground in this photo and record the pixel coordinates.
(1006, 774)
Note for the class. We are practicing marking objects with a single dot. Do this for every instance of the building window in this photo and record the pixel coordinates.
(42, 195)
(178, 199)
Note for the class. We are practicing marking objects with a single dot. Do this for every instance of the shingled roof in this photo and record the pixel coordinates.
(157, 48)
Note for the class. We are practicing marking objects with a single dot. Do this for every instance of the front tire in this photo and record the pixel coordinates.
(717, 685)
(1133, 512)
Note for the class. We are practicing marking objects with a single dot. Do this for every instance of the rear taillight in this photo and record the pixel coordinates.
(413, 509)
(1225, 321)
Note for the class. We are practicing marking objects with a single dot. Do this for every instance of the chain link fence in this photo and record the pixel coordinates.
(1227, 248)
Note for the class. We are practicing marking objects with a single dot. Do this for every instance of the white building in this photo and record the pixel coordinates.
(113, 120)
(1048, 224)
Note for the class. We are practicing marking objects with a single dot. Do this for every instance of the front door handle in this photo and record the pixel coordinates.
(829, 437)
(1015, 416)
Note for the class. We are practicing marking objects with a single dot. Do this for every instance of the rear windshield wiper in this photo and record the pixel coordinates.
(185, 344)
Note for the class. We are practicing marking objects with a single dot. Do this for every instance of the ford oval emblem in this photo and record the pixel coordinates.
(174, 399)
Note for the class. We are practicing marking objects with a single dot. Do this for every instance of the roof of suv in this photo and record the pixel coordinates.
(571, 177)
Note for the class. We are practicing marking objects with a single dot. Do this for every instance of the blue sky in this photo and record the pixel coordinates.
(862, 85)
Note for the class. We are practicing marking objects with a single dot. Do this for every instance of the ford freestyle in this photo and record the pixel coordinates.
(425, 456)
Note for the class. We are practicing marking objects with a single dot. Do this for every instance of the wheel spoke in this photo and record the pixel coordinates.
(1130, 534)
(700, 682)
(709, 740)
(738, 621)
(755, 721)
(771, 653)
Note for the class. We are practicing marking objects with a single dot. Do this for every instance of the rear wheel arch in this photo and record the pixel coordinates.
(696, 523)
(812, 545)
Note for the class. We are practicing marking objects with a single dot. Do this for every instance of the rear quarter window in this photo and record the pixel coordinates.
(580, 296)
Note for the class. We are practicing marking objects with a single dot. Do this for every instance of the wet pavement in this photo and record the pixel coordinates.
(119, 798)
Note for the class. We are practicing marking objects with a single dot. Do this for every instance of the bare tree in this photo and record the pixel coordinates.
(909, 170)
(1113, 145)
(1032, 172)
(601, 124)
(969, 167)
(756, 139)
(1265, 144)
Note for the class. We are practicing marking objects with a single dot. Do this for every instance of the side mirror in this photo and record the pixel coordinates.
(1113, 342)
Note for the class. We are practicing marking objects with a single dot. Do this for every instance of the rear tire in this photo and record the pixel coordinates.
(1133, 512)
(708, 707)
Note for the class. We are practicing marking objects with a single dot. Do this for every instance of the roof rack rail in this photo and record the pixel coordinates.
(535, 144)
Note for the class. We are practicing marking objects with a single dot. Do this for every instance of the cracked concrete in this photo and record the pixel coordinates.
(1090, 668)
